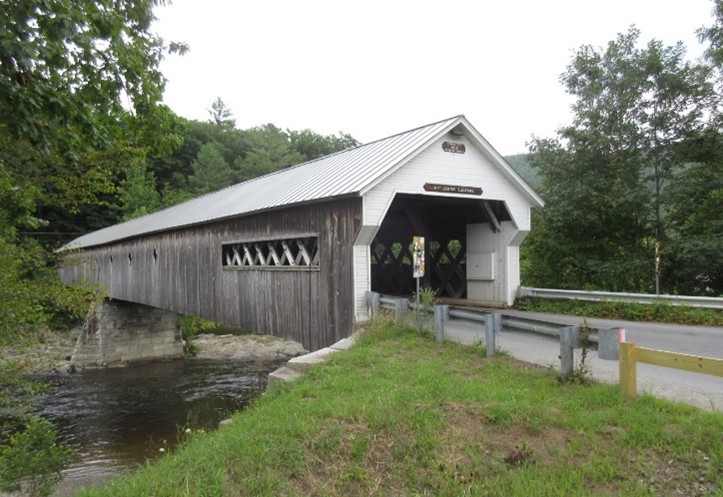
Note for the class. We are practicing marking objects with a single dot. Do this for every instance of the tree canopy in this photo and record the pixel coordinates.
(638, 110)
(80, 94)
(73, 72)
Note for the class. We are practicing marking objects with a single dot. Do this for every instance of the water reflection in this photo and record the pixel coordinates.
(115, 419)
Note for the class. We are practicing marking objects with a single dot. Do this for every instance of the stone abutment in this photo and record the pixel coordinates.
(117, 332)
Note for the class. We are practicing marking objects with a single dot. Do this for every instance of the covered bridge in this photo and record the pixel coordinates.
(292, 253)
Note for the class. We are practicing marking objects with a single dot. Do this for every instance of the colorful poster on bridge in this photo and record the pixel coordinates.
(418, 256)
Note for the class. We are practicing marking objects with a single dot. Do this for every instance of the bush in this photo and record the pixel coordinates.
(33, 459)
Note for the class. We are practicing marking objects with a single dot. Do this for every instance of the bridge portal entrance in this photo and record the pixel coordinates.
(444, 222)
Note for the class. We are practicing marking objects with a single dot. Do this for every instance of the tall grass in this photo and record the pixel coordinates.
(400, 414)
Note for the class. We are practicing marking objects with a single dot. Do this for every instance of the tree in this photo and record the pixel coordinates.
(80, 79)
(633, 105)
(31, 455)
(30, 293)
(221, 115)
(79, 83)
(210, 171)
(269, 149)
(68, 69)
(138, 193)
(17, 301)
(313, 146)
(697, 247)
(714, 36)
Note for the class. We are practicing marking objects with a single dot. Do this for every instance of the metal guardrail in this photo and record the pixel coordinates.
(641, 298)
(494, 323)
(523, 324)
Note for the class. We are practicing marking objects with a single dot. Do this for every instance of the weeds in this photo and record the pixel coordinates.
(581, 374)
(260, 367)
(427, 298)
(192, 326)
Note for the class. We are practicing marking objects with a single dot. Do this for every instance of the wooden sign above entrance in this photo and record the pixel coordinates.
(465, 190)
(454, 147)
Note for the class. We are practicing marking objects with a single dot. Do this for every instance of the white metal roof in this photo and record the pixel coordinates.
(345, 173)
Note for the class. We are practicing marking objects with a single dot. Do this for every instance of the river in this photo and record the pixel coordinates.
(116, 419)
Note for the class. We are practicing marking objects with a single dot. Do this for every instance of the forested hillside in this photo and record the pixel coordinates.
(521, 164)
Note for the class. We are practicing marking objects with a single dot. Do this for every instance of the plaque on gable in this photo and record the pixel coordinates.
(454, 147)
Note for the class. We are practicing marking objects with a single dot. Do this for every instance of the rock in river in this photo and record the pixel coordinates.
(245, 347)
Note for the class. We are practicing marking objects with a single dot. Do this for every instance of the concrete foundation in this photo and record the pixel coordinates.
(118, 332)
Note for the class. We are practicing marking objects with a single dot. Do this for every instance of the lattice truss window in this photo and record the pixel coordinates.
(289, 253)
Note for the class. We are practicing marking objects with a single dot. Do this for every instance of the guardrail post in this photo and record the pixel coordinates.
(374, 302)
(490, 328)
(568, 340)
(498, 321)
(628, 371)
(441, 316)
(607, 344)
(400, 307)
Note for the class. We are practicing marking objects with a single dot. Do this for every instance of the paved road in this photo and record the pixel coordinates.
(700, 390)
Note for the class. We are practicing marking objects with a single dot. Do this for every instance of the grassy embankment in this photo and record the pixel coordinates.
(660, 312)
(402, 415)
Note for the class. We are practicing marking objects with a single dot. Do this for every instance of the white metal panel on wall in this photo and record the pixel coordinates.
(500, 251)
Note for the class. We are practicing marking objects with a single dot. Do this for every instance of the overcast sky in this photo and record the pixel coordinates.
(375, 68)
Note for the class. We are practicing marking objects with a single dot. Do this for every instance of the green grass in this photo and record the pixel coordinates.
(400, 414)
(661, 312)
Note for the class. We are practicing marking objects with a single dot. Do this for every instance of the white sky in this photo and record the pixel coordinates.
(375, 68)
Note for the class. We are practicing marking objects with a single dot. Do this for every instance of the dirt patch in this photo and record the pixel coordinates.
(671, 477)
(474, 433)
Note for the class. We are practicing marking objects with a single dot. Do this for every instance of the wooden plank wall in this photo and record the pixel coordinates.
(313, 306)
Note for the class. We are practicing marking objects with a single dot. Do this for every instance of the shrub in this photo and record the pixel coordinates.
(33, 459)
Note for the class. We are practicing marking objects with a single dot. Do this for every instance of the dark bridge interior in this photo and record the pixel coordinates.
(443, 223)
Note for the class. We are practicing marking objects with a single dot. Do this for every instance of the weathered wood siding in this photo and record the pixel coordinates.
(182, 271)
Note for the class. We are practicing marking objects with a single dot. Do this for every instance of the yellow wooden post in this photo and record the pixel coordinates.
(628, 371)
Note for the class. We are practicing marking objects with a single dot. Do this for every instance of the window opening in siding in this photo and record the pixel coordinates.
(130, 259)
(286, 253)
(155, 255)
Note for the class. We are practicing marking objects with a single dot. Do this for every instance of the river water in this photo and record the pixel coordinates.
(116, 419)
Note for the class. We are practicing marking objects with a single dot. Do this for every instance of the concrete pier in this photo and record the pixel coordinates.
(118, 332)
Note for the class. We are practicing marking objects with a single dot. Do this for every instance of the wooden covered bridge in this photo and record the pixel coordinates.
(292, 253)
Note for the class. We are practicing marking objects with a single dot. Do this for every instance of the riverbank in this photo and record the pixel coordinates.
(116, 419)
(49, 351)
(52, 351)
(399, 414)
